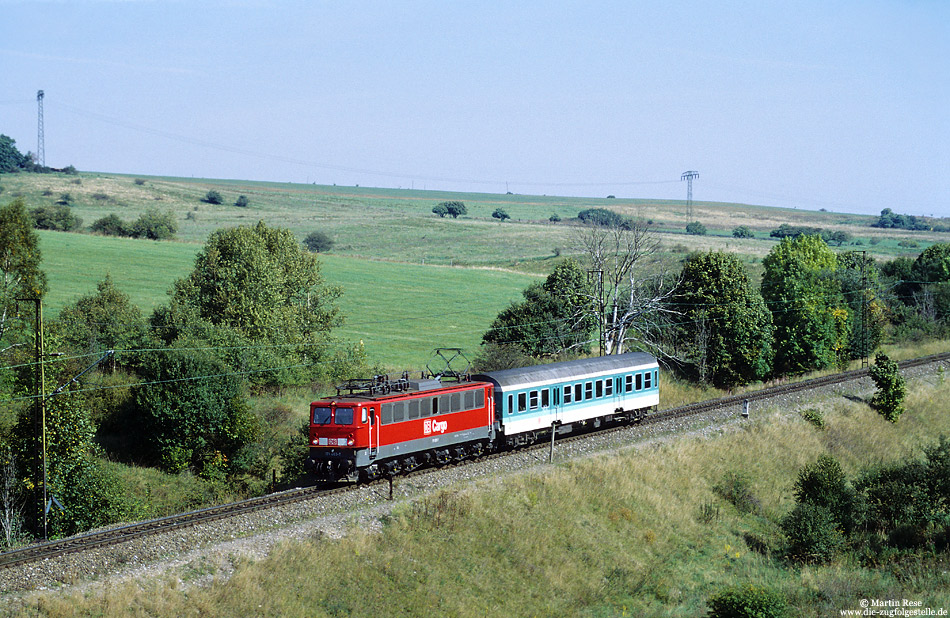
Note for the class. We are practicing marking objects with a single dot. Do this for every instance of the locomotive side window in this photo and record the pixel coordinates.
(425, 407)
(321, 416)
(639, 381)
(413, 409)
(456, 402)
(469, 400)
(399, 411)
(445, 404)
(545, 398)
(522, 402)
(567, 394)
(343, 416)
(386, 414)
(479, 398)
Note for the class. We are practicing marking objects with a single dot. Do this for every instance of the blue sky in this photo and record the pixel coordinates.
(839, 105)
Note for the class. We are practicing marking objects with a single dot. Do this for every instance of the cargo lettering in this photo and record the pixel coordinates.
(433, 426)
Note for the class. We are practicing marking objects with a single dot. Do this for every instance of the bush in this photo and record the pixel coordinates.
(555, 218)
(696, 228)
(453, 208)
(748, 601)
(440, 210)
(139, 181)
(602, 216)
(213, 197)
(743, 232)
(242, 201)
(812, 534)
(500, 214)
(154, 225)
(736, 489)
(110, 225)
(58, 217)
(891, 390)
(65, 199)
(318, 242)
(814, 416)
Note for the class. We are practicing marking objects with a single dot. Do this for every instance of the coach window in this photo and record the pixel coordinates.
(629, 383)
(647, 379)
(567, 394)
(656, 377)
(588, 390)
(533, 399)
(522, 402)
(609, 387)
(578, 392)
(413, 409)
(386, 414)
(399, 412)
(545, 398)
(511, 404)
(599, 389)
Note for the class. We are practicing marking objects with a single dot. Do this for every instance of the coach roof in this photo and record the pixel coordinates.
(569, 370)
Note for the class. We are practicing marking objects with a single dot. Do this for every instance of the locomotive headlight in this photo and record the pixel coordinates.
(350, 442)
(315, 441)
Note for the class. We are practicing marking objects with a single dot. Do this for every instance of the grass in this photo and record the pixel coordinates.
(637, 532)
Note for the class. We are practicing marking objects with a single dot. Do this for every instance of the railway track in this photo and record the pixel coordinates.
(114, 536)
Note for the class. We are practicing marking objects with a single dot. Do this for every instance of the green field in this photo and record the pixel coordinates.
(412, 281)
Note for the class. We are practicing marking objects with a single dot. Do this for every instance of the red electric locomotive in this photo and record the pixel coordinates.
(384, 426)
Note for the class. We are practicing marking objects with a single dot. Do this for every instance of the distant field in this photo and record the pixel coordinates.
(400, 311)
(391, 254)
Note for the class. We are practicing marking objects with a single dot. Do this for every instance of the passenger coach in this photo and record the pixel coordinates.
(530, 400)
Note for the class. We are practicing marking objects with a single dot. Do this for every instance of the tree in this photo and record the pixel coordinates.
(553, 318)
(630, 299)
(454, 208)
(743, 231)
(440, 210)
(860, 288)
(10, 158)
(111, 225)
(500, 214)
(253, 286)
(891, 390)
(718, 302)
(106, 320)
(20, 274)
(604, 217)
(808, 309)
(318, 242)
(242, 201)
(212, 197)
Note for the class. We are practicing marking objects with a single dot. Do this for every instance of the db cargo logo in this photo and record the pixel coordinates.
(432, 426)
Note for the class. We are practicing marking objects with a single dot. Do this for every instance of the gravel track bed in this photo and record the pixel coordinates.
(201, 554)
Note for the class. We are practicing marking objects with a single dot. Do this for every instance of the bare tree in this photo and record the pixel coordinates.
(631, 288)
(11, 505)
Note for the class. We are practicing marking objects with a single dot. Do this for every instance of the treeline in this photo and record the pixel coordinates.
(12, 161)
(173, 389)
(891, 220)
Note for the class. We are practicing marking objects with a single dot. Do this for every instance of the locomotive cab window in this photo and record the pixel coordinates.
(321, 415)
(343, 416)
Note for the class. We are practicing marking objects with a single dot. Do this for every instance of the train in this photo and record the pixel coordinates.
(389, 425)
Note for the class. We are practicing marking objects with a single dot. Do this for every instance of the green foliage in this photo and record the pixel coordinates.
(57, 217)
(748, 601)
(65, 199)
(20, 274)
(814, 416)
(454, 208)
(242, 201)
(812, 534)
(10, 158)
(933, 264)
(824, 484)
(794, 231)
(552, 319)
(555, 218)
(604, 217)
(496, 356)
(255, 293)
(696, 228)
(736, 488)
(863, 295)
(213, 197)
(154, 225)
(891, 220)
(743, 231)
(891, 390)
(440, 210)
(727, 329)
(111, 225)
(106, 320)
(318, 242)
(192, 409)
(500, 214)
(812, 326)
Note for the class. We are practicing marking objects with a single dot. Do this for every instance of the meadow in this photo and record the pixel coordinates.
(635, 532)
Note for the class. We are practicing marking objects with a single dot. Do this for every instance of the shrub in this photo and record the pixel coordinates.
(602, 216)
(696, 228)
(440, 210)
(555, 218)
(242, 201)
(823, 484)
(736, 489)
(58, 217)
(64, 199)
(139, 181)
(743, 231)
(814, 416)
(500, 214)
(812, 534)
(213, 197)
(111, 225)
(748, 601)
(318, 242)
(453, 208)
(155, 225)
